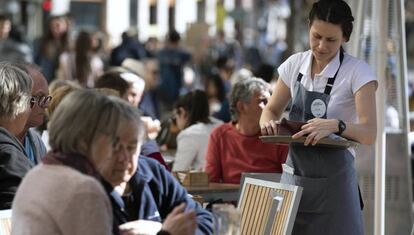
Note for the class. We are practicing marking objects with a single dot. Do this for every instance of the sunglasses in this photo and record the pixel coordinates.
(42, 101)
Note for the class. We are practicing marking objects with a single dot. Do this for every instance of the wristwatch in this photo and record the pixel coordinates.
(163, 232)
(341, 127)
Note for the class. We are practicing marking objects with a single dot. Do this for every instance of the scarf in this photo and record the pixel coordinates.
(73, 160)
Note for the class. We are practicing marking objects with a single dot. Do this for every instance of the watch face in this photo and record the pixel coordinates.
(342, 126)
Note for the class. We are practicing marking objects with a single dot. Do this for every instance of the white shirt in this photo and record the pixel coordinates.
(353, 74)
(192, 146)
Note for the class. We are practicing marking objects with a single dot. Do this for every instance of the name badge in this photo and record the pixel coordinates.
(318, 108)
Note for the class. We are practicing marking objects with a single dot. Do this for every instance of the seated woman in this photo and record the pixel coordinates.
(192, 116)
(15, 93)
(61, 195)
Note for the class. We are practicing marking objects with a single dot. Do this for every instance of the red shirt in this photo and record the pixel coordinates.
(230, 153)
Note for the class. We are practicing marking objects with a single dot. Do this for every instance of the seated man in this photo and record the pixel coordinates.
(30, 139)
(142, 189)
(152, 193)
(235, 147)
(15, 101)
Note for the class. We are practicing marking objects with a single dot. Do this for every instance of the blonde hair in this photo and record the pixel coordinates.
(58, 94)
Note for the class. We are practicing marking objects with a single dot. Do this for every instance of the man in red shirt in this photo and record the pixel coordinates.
(235, 147)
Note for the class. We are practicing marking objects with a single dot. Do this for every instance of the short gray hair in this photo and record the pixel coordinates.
(15, 90)
(85, 114)
(243, 90)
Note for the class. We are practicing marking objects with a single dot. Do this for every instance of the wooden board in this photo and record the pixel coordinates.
(325, 142)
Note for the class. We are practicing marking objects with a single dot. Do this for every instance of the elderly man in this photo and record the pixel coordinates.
(235, 147)
(15, 101)
(33, 145)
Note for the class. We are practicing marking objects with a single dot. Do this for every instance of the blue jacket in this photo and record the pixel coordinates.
(155, 193)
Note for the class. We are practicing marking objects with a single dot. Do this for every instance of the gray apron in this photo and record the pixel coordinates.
(330, 202)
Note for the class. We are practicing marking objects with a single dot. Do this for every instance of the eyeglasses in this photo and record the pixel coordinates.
(42, 101)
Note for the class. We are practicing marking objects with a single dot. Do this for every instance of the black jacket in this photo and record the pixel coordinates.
(14, 164)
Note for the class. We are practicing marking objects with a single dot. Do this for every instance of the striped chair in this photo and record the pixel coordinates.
(268, 208)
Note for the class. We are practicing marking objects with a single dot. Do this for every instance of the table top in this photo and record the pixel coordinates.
(215, 191)
(213, 187)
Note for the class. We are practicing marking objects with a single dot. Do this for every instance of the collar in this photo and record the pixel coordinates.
(333, 66)
(328, 72)
(144, 172)
(305, 68)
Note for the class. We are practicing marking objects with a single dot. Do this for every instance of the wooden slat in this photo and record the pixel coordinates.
(5, 226)
(255, 208)
(258, 190)
(266, 202)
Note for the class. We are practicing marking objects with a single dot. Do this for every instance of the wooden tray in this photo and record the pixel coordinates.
(330, 141)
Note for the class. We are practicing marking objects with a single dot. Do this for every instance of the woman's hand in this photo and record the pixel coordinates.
(316, 129)
(269, 128)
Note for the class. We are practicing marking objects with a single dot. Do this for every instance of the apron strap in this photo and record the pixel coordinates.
(361, 201)
(331, 81)
(299, 77)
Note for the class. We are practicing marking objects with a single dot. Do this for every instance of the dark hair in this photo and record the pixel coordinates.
(218, 83)
(265, 71)
(83, 48)
(225, 63)
(333, 11)
(196, 104)
(114, 81)
(5, 17)
(173, 36)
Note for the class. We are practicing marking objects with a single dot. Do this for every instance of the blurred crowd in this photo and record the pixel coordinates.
(169, 68)
(70, 100)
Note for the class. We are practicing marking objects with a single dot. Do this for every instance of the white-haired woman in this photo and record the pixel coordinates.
(62, 195)
(15, 97)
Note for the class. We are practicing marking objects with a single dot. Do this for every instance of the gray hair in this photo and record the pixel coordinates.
(15, 90)
(85, 114)
(243, 90)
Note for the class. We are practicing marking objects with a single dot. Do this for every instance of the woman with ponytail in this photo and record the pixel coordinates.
(334, 93)
(192, 117)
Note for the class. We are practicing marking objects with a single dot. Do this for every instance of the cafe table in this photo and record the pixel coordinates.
(215, 191)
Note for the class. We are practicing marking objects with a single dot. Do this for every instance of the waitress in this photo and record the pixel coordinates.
(335, 94)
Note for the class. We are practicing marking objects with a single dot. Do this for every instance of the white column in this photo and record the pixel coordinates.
(380, 33)
(185, 13)
(211, 15)
(162, 19)
(117, 19)
(60, 7)
(143, 20)
(229, 5)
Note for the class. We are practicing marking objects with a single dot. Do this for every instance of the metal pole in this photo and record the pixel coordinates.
(354, 44)
(403, 84)
(380, 34)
